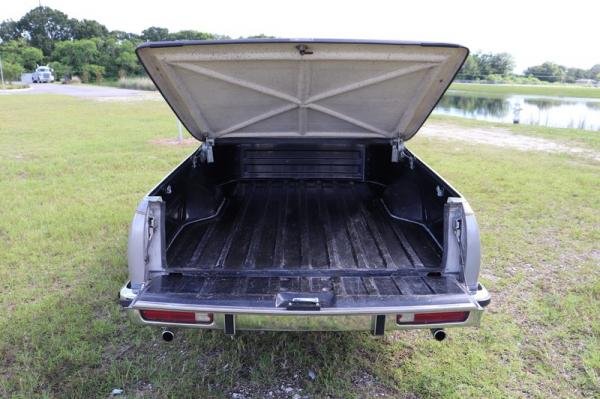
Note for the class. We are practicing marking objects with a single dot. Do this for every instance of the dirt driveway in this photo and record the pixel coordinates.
(503, 138)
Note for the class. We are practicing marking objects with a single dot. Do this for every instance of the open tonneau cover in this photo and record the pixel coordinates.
(301, 88)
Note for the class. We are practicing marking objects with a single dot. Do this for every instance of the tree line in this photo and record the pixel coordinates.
(85, 48)
(88, 49)
(499, 67)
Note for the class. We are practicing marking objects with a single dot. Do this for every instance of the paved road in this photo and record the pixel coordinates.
(86, 91)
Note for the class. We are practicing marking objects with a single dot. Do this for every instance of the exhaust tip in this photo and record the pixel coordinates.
(438, 334)
(168, 336)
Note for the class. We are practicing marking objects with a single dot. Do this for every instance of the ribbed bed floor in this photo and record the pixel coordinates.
(308, 225)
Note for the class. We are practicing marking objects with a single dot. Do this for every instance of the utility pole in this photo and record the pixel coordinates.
(2, 74)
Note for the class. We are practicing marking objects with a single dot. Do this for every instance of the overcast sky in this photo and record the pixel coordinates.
(566, 32)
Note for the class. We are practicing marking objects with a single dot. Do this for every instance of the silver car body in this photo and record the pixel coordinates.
(304, 90)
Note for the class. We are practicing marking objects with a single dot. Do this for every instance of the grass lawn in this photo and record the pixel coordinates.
(542, 90)
(71, 177)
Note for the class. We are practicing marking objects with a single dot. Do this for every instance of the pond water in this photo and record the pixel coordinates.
(571, 112)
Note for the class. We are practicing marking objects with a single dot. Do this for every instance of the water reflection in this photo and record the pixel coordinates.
(535, 110)
(545, 103)
(484, 105)
(593, 105)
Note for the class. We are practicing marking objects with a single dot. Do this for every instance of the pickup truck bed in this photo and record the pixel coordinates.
(308, 236)
(308, 225)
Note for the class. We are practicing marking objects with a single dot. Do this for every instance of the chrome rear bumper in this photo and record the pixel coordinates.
(375, 320)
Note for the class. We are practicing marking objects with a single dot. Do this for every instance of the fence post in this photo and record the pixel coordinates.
(2, 73)
(180, 129)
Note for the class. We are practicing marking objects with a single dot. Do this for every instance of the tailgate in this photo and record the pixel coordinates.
(305, 292)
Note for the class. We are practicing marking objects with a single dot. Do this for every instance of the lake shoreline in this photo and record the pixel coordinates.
(558, 90)
(527, 109)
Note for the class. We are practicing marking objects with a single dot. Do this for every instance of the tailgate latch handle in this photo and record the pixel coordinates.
(304, 304)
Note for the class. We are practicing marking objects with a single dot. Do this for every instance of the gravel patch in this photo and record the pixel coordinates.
(504, 138)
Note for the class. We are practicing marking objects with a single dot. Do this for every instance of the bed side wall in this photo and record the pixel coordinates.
(413, 191)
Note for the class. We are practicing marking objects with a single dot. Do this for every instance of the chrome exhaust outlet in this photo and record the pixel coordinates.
(168, 336)
(438, 334)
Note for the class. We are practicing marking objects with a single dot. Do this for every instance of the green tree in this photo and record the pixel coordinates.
(11, 70)
(483, 65)
(260, 36)
(155, 34)
(76, 53)
(19, 52)
(191, 35)
(91, 72)
(572, 74)
(107, 52)
(9, 30)
(548, 72)
(121, 35)
(594, 72)
(470, 69)
(494, 64)
(31, 57)
(489, 66)
(116, 56)
(61, 70)
(87, 29)
(44, 26)
(501, 63)
(126, 61)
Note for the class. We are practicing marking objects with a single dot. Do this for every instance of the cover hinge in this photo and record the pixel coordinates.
(399, 152)
(205, 153)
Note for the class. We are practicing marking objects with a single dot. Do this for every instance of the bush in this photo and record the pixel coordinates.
(12, 71)
(529, 80)
(61, 70)
(90, 71)
(138, 83)
(510, 79)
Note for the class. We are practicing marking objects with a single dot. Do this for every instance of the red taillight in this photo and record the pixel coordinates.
(170, 316)
(431, 318)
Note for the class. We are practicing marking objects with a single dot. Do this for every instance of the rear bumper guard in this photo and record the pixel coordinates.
(376, 320)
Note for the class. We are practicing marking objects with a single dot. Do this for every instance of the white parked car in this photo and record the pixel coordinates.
(43, 74)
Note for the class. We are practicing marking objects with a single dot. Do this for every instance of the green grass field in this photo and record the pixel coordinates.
(541, 90)
(71, 177)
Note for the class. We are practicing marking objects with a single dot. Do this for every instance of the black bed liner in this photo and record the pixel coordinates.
(303, 226)
(314, 237)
